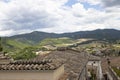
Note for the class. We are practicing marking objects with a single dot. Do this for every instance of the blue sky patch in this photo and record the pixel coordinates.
(87, 5)
(71, 2)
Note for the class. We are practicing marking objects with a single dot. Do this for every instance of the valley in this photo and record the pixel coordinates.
(83, 57)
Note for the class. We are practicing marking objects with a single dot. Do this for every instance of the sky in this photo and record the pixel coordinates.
(57, 16)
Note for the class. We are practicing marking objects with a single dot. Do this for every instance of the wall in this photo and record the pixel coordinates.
(91, 62)
(31, 75)
(59, 72)
(25, 75)
(4, 61)
(96, 64)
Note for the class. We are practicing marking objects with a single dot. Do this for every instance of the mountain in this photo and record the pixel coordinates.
(99, 34)
(34, 37)
(14, 45)
(18, 42)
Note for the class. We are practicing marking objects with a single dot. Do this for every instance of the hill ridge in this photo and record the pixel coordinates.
(100, 34)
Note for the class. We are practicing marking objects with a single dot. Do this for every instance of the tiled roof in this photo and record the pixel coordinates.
(31, 65)
(74, 62)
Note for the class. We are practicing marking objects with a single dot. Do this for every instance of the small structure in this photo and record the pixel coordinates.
(62, 48)
(94, 68)
(31, 70)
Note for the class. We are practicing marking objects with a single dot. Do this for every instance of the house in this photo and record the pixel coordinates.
(31, 70)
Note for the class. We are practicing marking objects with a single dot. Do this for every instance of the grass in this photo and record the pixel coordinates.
(17, 44)
(14, 45)
(56, 41)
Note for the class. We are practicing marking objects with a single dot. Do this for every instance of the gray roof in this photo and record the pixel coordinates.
(74, 61)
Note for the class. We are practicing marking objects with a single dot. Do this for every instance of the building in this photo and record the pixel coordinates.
(31, 70)
(94, 67)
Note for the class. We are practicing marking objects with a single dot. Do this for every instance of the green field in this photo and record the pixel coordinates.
(56, 42)
(14, 45)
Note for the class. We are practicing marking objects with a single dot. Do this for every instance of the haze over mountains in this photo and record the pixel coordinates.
(99, 34)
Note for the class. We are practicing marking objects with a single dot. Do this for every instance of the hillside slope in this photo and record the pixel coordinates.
(56, 41)
(43, 38)
(105, 34)
(14, 44)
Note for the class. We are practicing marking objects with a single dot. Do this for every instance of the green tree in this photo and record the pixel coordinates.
(26, 53)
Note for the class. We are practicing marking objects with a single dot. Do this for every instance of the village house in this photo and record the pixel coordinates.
(31, 70)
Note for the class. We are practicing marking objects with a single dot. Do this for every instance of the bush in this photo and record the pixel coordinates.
(26, 53)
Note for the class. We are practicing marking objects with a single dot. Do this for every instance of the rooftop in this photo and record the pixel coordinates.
(94, 58)
(73, 62)
(31, 65)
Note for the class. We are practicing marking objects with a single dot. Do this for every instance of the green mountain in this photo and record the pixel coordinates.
(17, 42)
(34, 37)
(99, 34)
(14, 44)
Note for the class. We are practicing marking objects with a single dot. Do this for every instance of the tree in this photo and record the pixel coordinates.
(26, 53)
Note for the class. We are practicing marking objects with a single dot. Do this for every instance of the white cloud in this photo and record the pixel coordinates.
(21, 16)
(78, 10)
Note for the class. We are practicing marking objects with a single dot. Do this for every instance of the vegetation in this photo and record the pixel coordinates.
(105, 34)
(26, 53)
(56, 41)
(14, 45)
(17, 44)
(116, 70)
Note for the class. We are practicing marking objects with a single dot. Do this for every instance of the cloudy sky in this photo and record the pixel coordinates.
(58, 16)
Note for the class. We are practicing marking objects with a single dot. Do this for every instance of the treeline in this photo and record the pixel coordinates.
(26, 53)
